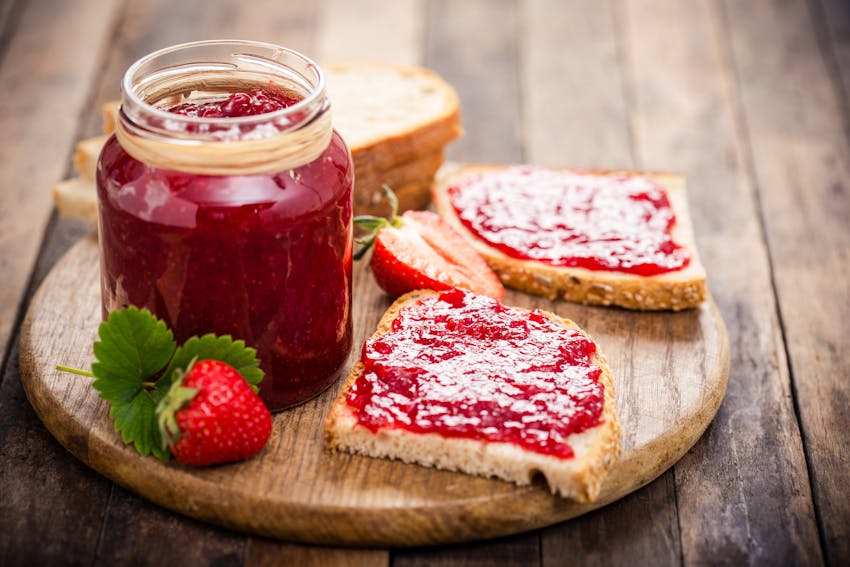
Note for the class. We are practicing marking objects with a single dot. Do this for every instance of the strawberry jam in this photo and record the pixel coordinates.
(464, 365)
(251, 103)
(263, 258)
(612, 222)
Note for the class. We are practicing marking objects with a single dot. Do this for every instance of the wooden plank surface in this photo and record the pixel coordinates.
(297, 491)
(576, 115)
(801, 165)
(50, 54)
(51, 51)
(729, 496)
(681, 84)
(482, 61)
(371, 30)
(832, 27)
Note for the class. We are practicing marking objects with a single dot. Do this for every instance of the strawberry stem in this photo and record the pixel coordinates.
(166, 411)
(373, 225)
(393, 200)
(76, 371)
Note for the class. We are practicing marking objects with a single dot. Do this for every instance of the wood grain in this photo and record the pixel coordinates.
(707, 92)
(144, 27)
(752, 459)
(577, 113)
(132, 525)
(474, 45)
(43, 487)
(481, 61)
(295, 490)
(36, 61)
(801, 165)
(371, 30)
(270, 553)
(834, 37)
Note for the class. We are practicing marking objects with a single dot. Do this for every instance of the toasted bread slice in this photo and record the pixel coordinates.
(76, 198)
(109, 111)
(421, 167)
(391, 114)
(680, 289)
(411, 182)
(580, 477)
(86, 155)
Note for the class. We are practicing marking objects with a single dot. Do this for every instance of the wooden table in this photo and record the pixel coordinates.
(749, 99)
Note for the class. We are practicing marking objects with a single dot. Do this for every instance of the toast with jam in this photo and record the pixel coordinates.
(595, 237)
(459, 381)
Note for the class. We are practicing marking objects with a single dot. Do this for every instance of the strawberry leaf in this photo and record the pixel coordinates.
(211, 347)
(134, 347)
(136, 420)
(372, 225)
(133, 350)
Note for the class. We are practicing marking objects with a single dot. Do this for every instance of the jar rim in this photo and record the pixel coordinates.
(315, 89)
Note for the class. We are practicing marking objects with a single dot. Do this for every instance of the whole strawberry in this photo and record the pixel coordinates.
(211, 416)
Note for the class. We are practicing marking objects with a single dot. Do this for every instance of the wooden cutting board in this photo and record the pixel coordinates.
(670, 372)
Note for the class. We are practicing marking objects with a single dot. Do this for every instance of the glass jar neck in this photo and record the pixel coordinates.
(212, 70)
(215, 69)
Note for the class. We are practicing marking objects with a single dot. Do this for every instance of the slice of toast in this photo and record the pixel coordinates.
(676, 290)
(579, 477)
(76, 198)
(390, 114)
(86, 155)
(410, 181)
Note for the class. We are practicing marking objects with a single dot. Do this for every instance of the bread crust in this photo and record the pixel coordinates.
(417, 133)
(411, 183)
(579, 478)
(76, 198)
(681, 289)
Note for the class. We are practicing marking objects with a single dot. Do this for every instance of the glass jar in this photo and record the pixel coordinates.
(235, 225)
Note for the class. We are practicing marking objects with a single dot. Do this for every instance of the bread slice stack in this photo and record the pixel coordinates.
(675, 290)
(395, 119)
(579, 477)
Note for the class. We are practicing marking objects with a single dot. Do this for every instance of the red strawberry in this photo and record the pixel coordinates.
(420, 250)
(211, 416)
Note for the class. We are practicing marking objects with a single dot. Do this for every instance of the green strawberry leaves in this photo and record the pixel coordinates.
(133, 345)
(136, 421)
(136, 361)
(372, 225)
(225, 349)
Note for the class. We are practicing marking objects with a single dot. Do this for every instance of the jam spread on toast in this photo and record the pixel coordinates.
(617, 222)
(465, 366)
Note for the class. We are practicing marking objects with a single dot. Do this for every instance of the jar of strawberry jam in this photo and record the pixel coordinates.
(225, 206)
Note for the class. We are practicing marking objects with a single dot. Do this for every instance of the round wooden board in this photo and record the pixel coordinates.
(670, 372)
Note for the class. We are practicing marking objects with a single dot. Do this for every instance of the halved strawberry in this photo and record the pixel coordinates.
(420, 250)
